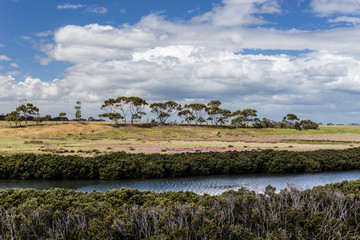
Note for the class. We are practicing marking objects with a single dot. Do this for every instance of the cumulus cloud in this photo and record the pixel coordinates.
(15, 65)
(49, 96)
(330, 7)
(93, 42)
(31, 88)
(199, 59)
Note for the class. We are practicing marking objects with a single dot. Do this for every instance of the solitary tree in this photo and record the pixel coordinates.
(62, 116)
(27, 110)
(78, 111)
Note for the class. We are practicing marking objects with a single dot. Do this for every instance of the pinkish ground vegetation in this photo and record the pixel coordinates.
(173, 148)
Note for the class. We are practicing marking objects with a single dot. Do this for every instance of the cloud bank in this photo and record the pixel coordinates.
(203, 59)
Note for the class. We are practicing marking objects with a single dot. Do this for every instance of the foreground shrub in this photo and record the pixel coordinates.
(319, 213)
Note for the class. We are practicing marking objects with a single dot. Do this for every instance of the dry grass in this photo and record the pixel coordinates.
(95, 138)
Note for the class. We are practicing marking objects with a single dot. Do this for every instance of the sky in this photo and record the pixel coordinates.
(276, 56)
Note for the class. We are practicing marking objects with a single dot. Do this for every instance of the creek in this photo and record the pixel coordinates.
(212, 185)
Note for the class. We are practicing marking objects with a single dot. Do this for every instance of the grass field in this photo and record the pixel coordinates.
(93, 138)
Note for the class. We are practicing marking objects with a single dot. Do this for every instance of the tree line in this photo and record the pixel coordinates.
(318, 213)
(133, 109)
(198, 113)
(121, 165)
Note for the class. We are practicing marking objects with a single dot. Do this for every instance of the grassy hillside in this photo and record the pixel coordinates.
(96, 138)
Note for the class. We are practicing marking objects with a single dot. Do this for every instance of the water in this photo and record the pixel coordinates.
(210, 184)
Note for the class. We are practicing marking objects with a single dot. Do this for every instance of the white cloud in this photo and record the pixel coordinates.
(70, 6)
(330, 7)
(44, 34)
(96, 10)
(81, 44)
(352, 20)
(15, 65)
(31, 88)
(159, 59)
(2, 45)
(4, 58)
(237, 13)
(88, 8)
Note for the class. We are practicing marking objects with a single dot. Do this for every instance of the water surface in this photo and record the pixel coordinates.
(209, 184)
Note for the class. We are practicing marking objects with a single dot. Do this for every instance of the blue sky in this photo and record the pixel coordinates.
(277, 56)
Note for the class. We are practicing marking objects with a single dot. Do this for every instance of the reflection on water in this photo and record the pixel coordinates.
(209, 184)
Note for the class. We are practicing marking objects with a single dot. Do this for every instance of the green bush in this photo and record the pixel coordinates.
(122, 165)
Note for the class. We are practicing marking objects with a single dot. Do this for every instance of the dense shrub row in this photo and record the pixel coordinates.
(129, 214)
(122, 165)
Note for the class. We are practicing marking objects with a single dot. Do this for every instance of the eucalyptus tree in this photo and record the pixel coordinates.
(198, 111)
(135, 106)
(78, 111)
(62, 116)
(15, 117)
(216, 114)
(164, 110)
(238, 118)
(47, 118)
(112, 116)
(289, 120)
(110, 106)
(214, 111)
(39, 119)
(187, 115)
(121, 104)
(249, 115)
(26, 110)
(244, 117)
(225, 115)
